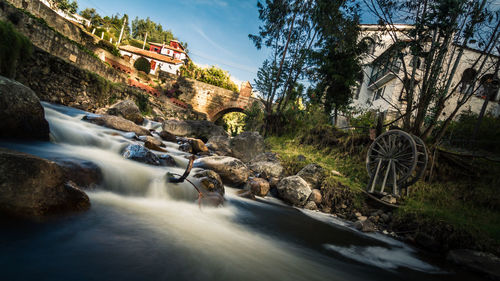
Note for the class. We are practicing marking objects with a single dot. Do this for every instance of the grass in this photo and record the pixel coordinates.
(464, 210)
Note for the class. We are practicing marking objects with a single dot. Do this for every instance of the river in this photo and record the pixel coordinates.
(141, 228)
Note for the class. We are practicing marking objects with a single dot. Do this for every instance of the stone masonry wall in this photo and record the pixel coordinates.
(45, 38)
(69, 29)
(206, 98)
(57, 81)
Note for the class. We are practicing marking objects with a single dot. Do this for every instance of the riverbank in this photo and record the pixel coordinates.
(440, 216)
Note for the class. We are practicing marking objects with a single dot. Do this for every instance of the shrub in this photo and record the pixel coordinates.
(108, 47)
(142, 64)
(143, 75)
(460, 132)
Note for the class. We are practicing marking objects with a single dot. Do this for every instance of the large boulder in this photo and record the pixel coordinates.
(140, 154)
(220, 145)
(21, 114)
(313, 174)
(231, 170)
(128, 110)
(294, 190)
(33, 187)
(117, 123)
(247, 145)
(83, 173)
(200, 129)
(209, 180)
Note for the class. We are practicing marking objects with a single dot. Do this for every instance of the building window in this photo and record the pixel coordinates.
(379, 93)
(370, 45)
(359, 79)
(467, 82)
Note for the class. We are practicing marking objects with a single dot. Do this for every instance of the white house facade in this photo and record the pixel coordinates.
(381, 84)
(158, 61)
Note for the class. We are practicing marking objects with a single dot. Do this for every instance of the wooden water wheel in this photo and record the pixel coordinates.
(395, 159)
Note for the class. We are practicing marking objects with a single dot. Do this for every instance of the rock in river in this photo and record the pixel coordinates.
(231, 170)
(21, 114)
(32, 187)
(294, 190)
(247, 145)
(117, 123)
(209, 180)
(259, 187)
(128, 110)
(220, 145)
(313, 174)
(140, 154)
(200, 129)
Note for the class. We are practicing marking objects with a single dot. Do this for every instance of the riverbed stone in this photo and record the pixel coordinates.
(365, 226)
(315, 196)
(209, 180)
(267, 169)
(310, 205)
(167, 160)
(313, 174)
(83, 173)
(127, 109)
(200, 129)
(294, 190)
(117, 123)
(231, 170)
(198, 145)
(34, 187)
(141, 154)
(21, 114)
(166, 136)
(259, 187)
(247, 145)
(220, 145)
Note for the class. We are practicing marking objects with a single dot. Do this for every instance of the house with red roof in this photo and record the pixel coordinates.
(174, 49)
(158, 61)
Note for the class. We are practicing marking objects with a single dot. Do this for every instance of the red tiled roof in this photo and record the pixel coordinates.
(168, 46)
(149, 54)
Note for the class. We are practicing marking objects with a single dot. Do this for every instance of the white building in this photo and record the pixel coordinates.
(158, 61)
(381, 85)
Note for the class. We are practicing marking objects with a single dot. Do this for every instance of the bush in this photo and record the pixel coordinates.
(12, 45)
(460, 132)
(142, 64)
(106, 45)
(143, 75)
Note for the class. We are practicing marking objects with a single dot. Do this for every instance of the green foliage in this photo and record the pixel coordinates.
(66, 6)
(142, 64)
(212, 75)
(363, 122)
(155, 31)
(137, 43)
(234, 123)
(106, 45)
(13, 47)
(142, 102)
(254, 118)
(488, 137)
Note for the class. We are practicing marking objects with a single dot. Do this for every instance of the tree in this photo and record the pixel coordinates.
(142, 64)
(296, 32)
(65, 5)
(92, 15)
(337, 59)
(442, 31)
(155, 31)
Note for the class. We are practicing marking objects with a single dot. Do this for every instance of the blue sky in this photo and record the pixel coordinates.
(216, 30)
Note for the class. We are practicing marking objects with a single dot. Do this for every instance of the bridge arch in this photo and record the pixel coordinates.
(217, 115)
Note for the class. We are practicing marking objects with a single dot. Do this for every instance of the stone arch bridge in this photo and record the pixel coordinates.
(212, 100)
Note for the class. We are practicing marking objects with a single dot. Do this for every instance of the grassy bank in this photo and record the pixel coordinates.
(458, 212)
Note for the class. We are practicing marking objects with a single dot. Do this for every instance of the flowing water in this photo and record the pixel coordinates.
(141, 228)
